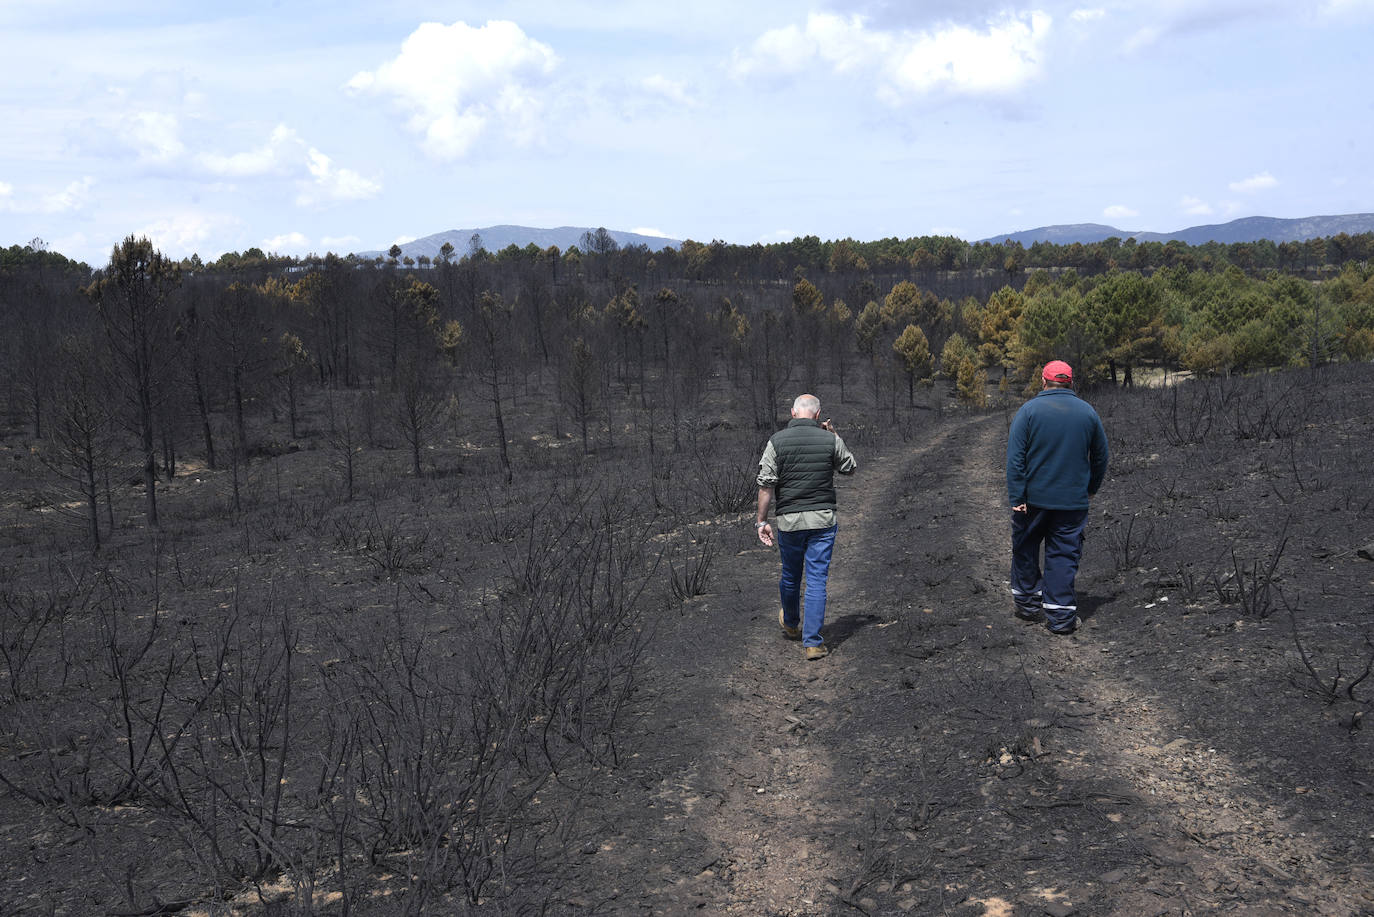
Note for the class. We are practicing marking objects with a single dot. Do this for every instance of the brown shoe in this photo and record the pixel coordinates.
(791, 633)
(817, 652)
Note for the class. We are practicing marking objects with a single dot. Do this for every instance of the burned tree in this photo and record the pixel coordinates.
(82, 439)
(132, 300)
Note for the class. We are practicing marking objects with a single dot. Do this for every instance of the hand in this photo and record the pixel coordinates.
(1019, 508)
(828, 425)
(766, 534)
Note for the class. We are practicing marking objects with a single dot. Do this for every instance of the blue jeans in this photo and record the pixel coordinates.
(809, 550)
(1060, 532)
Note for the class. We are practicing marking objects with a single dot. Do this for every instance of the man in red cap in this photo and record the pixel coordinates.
(1056, 460)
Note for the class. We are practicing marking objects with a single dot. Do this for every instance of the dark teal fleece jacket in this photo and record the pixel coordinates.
(1056, 453)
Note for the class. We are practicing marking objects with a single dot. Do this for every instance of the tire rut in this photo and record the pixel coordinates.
(1191, 827)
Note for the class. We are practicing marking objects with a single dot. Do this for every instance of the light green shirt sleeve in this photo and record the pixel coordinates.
(844, 459)
(768, 467)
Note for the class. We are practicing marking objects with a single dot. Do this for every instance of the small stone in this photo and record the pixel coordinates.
(1113, 877)
(868, 904)
(907, 904)
(1060, 909)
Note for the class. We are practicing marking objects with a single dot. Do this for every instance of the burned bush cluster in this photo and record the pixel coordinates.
(1247, 497)
(271, 737)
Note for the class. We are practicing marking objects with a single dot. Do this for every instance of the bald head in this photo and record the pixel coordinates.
(806, 406)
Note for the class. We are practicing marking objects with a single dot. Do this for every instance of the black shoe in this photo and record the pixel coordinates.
(1025, 615)
(1066, 629)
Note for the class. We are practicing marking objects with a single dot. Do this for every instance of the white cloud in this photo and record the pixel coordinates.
(1260, 182)
(72, 197)
(403, 240)
(1119, 212)
(286, 153)
(1002, 56)
(456, 82)
(844, 43)
(337, 243)
(646, 231)
(1087, 15)
(155, 135)
(672, 90)
(332, 183)
(785, 50)
(71, 244)
(181, 234)
(270, 158)
(288, 243)
(779, 235)
(1195, 206)
(1144, 38)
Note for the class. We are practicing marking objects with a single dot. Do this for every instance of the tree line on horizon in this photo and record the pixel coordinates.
(918, 255)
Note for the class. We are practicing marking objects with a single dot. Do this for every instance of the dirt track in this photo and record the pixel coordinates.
(947, 758)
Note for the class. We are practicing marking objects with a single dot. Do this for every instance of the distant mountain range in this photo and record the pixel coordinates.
(495, 238)
(1248, 229)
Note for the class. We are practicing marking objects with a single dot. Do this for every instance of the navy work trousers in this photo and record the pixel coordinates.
(1060, 533)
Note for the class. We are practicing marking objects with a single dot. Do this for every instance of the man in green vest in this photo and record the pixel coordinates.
(797, 477)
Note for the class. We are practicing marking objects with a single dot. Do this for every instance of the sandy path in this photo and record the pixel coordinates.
(790, 815)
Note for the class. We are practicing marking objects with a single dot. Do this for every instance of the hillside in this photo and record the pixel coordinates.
(1246, 229)
(495, 238)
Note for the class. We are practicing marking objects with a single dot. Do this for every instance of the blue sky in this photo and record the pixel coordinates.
(309, 127)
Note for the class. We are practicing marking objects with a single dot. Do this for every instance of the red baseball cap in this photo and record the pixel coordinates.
(1057, 371)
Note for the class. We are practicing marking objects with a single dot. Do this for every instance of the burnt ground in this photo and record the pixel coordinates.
(1175, 756)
